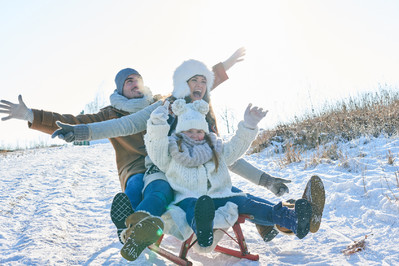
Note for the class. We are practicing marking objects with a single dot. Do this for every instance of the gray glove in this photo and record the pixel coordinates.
(275, 185)
(71, 133)
(253, 115)
(17, 111)
(160, 115)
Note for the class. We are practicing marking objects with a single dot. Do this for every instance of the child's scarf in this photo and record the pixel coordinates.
(194, 153)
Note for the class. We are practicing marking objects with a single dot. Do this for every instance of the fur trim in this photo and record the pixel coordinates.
(187, 70)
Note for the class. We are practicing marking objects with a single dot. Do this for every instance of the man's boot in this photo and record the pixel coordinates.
(143, 230)
(121, 208)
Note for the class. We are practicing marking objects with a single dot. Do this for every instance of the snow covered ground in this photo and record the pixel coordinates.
(55, 202)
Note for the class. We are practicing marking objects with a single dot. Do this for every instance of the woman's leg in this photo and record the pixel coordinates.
(134, 188)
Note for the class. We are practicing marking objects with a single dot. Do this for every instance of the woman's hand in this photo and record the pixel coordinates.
(234, 58)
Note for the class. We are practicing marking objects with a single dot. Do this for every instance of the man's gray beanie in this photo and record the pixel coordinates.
(122, 76)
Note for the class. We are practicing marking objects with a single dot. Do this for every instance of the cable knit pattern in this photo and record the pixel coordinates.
(81, 132)
(193, 181)
(124, 126)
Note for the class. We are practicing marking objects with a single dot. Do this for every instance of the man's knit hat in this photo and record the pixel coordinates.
(190, 115)
(187, 70)
(122, 76)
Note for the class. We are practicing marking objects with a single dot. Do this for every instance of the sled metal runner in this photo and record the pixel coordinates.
(185, 247)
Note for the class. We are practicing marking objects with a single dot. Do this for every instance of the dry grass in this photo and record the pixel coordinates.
(390, 158)
(391, 194)
(370, 114)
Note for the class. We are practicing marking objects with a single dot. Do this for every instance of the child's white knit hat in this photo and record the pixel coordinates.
(190, 115)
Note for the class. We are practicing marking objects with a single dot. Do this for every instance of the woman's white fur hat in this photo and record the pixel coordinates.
(190, 115)
(187, 70)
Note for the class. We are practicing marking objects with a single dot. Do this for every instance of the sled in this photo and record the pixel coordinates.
(181, 259)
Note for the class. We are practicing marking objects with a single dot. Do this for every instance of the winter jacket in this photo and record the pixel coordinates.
(201, 180)
(129, 150)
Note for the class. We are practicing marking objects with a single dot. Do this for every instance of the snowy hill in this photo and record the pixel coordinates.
(55, 206)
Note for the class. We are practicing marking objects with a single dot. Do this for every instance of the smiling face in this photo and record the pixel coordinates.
(197, 85)
(133, 87)
(195, 134)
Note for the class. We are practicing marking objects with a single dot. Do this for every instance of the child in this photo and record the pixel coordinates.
(195, 164)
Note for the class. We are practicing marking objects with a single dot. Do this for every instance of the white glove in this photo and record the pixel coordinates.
(275, 185)
(234, 58)
(252, 116)
(17, 111)
(160, 115)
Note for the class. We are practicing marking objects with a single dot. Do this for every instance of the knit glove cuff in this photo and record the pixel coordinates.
(28, 116)
(81, 132)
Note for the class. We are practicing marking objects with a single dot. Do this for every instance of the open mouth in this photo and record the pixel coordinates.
(197, 94)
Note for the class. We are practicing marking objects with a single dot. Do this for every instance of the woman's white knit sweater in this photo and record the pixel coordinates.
(193, 182)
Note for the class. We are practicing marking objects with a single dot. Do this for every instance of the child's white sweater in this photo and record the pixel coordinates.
(193, 181)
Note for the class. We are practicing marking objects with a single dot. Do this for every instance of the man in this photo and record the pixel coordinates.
(130, 96)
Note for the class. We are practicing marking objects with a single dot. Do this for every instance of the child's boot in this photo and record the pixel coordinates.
(297, 220)
(204, 213)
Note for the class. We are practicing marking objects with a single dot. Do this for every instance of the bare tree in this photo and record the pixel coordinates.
(98, 102)
(228, 118)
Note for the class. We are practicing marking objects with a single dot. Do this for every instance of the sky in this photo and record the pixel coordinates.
(299, 54)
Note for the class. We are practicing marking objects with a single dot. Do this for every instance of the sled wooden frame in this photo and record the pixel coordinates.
(182, 258)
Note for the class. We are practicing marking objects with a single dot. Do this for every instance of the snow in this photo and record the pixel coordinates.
(55, 206)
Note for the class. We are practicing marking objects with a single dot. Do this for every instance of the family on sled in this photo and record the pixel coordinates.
(183, 185)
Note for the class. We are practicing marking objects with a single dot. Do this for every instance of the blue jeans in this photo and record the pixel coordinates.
(262, 212)
(156, 197)
(255, 220)
(134, 188)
